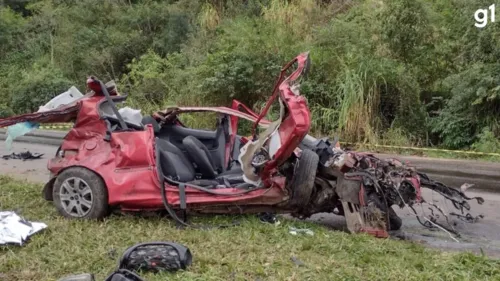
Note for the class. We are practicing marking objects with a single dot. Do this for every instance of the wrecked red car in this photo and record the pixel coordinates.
(106, 161)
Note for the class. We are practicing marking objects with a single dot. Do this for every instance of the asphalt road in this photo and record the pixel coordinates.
(483, 235)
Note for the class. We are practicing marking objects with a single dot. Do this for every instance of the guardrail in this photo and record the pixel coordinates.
(454, 172)
(57, 126)
(39, 137)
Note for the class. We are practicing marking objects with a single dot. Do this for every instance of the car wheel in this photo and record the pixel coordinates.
(302, 182)
(395, 222)
(80, 193)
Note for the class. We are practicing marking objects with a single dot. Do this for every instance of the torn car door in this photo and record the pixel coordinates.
(270, 149)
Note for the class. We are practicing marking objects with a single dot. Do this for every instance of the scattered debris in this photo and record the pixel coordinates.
(466, 186)
(393, 183)
(112, 253)
(296, 261)
(23, 155)
(19, 130)
(152, 256)
(16, 230)
(156, 256)
(269, 218)
(79, 277)
(295, 231)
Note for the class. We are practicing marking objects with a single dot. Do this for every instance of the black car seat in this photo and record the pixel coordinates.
(200, 156)
(174, 163)
(214, 141)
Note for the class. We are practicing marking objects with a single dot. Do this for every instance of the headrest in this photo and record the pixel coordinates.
(150, 120)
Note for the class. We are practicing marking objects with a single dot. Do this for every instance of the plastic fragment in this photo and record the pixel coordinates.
(15, 229)
(295, 231)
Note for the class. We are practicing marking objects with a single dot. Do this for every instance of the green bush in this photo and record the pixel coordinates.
(473, 105)
(5, 111)
(415, 72)
(487, 142)
(37, 88)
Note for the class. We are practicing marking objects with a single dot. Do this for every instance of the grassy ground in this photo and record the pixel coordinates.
(252, 251)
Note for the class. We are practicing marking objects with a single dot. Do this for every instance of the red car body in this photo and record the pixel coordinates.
(126, 160)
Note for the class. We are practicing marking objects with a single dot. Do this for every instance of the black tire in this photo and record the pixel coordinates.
(81, 186)
(395, 222)
(302, 182)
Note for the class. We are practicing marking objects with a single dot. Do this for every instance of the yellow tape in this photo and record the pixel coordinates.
(57, 126)
(430, 149)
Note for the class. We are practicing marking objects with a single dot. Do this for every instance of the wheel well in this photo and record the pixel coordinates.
(47, 189)
(49, 186)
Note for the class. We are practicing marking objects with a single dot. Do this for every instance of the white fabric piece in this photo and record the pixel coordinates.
(131, 115)
(68, 97)
(128, 114)
(15, 230)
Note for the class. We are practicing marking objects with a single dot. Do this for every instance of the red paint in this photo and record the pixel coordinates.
(295, 126)
(127, 164)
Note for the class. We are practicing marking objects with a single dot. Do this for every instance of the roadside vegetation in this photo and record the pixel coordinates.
(384, 72)
(252, 251)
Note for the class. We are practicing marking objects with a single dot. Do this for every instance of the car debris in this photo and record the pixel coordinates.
(269, 218)
(23, 156)
(16, 230)
(145, 257)
(400, 185)
(71, 96)
(18, 130)
(110, 161)
(295, 231)
(296, 261)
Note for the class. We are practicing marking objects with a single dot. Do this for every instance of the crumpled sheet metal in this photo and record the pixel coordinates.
(15, 229)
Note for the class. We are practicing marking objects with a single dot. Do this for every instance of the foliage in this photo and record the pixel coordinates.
(416, 69)
(405, 28)
(474, 105)
(487, 142)
(36, 88)
(5, 111)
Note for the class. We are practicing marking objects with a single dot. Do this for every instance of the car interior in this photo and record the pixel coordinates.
(198, 156)
(189, 155)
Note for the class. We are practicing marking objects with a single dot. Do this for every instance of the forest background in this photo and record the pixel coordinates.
(398, 72)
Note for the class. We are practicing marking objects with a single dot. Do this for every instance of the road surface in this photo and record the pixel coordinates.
(483, 235)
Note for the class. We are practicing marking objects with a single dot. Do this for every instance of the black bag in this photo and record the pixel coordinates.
(150, 256)
(156, 256)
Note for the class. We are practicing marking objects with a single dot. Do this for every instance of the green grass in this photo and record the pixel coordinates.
(252, 251)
